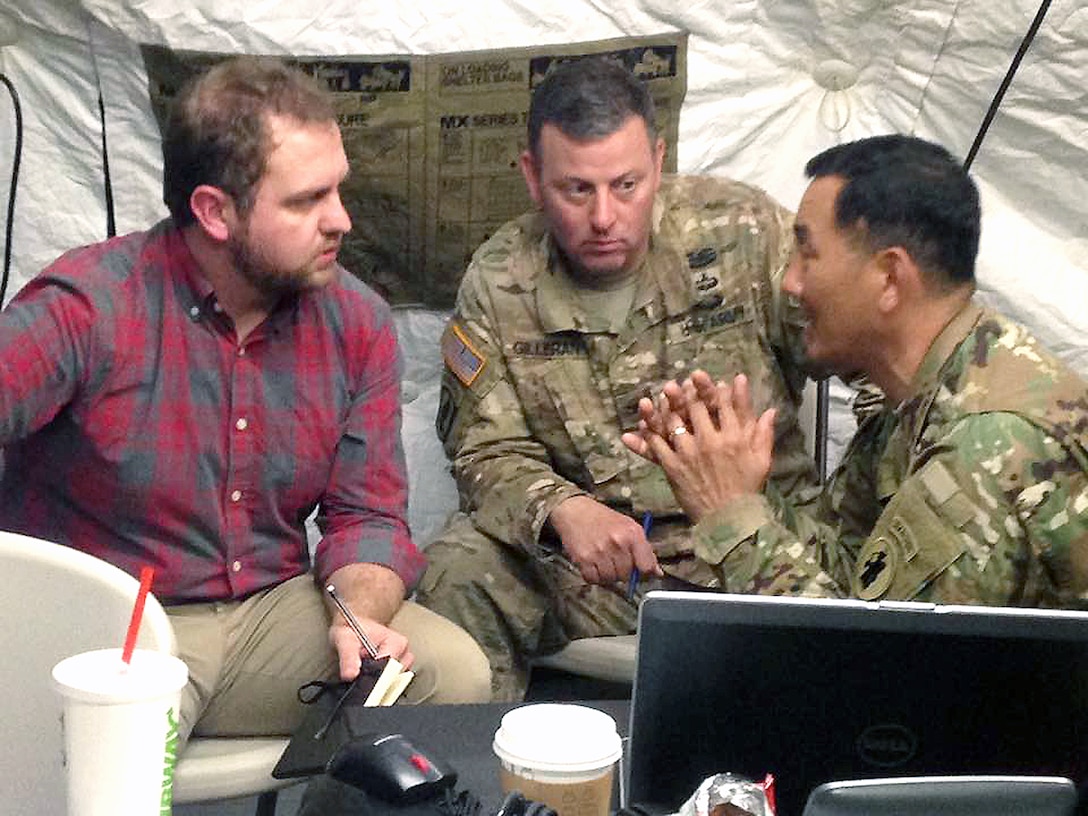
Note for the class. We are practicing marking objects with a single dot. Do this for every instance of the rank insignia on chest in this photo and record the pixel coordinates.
(704, 256)
(461, 356)
(698, 261)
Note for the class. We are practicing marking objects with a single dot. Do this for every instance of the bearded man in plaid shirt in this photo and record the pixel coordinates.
(185, 397)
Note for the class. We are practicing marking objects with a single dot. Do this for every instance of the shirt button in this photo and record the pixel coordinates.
(242, 351)
(241, 424)
(236, 495)
(194, 312)
(625, 491)
(236, 566)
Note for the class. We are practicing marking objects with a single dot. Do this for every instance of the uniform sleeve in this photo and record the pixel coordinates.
(503, 474)
(1000, 509)
(994, 514)
(362, 516)
(764, 545)
(805, 545)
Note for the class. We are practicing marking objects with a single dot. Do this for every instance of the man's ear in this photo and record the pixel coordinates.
(214, 211)
(900, 278)
(531, 171)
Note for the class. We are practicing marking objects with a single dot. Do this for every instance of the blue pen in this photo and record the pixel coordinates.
(636, 576)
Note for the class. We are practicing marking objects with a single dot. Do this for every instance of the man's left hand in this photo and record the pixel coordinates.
(719, 454)
(351, 651)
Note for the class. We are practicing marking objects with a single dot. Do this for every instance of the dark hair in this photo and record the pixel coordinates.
(904, 191)
(217, 134)
(589, 98)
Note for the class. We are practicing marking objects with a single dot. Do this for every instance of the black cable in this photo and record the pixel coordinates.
(823, 401)
(1000, 95)
(14, 185)
(111, 224)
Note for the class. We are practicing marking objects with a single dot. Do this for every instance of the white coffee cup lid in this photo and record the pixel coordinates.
(101, 677)
(559, 737)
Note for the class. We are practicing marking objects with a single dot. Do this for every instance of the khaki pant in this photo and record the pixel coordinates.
(516, 607)
(247, 659)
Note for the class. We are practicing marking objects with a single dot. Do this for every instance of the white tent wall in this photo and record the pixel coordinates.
(754, 110)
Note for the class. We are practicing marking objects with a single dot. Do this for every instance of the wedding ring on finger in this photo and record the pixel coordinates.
(679, 430)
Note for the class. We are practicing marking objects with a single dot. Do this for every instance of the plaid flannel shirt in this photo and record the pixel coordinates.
(138, 429)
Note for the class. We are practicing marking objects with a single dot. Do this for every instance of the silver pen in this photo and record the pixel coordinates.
(354, 624)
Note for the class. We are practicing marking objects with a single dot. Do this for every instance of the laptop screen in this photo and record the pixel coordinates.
(815, 691)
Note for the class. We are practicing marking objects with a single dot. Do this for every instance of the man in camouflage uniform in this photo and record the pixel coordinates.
(970, 486)
(565, 318)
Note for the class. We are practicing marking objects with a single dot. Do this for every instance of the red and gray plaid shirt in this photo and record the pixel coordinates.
(137, 429)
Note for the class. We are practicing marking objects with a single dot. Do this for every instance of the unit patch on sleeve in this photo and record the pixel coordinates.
(460, 356)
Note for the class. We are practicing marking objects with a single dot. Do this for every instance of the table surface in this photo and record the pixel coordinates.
(461, 735)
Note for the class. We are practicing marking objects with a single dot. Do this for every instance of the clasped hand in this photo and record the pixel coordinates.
(707, 439)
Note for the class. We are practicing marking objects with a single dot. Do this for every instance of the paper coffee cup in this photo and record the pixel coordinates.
(560, 754)
(120, 728)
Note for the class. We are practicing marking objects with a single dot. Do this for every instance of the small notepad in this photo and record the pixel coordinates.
(391, 683)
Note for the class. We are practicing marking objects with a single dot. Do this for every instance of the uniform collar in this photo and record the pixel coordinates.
(944, 344)
(912, 413)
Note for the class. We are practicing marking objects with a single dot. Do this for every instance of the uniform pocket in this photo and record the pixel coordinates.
(589, 424)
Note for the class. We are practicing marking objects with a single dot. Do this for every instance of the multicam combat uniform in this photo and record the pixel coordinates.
(974, 490)
(538, 389)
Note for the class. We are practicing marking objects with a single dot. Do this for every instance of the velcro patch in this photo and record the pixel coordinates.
(939, 482)
(460, 356)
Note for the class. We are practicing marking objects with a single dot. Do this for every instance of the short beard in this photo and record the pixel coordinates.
(267, 281)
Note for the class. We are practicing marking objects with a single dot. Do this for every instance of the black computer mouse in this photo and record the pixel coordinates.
(390, 767)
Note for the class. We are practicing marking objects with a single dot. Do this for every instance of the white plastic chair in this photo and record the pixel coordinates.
(57, 601)
(610, 658)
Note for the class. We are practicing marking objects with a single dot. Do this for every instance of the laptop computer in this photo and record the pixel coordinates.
(815, 691)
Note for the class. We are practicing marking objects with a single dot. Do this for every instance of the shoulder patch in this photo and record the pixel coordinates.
(460, 356)
(875, 569)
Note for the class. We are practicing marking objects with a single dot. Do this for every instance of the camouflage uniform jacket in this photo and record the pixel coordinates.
(974, 490)
(537, 390)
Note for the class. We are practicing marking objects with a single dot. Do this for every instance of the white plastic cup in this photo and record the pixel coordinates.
(560, 754)
(120, 728)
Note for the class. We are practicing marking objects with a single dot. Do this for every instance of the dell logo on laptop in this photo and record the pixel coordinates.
(887, 745)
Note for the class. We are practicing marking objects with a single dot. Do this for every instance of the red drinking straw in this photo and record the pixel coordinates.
(146, 574)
